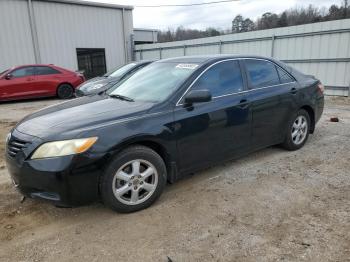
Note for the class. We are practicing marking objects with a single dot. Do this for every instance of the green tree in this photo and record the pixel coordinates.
(237, 24)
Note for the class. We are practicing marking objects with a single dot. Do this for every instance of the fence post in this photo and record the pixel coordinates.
(133, 52)
(272, 45)
(184, 50)
(220, 47)
(160, 53)
(141, 54)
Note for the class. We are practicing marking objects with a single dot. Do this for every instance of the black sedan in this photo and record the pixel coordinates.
(171, 118)
(102, 83)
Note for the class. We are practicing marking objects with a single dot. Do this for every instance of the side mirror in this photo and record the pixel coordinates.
(8, 76)
(197, 96)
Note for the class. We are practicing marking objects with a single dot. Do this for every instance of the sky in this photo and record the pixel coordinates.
(200, 17)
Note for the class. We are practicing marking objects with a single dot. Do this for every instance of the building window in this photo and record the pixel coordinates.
(91, 61)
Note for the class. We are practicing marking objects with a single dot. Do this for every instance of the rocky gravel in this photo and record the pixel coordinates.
(272, 205)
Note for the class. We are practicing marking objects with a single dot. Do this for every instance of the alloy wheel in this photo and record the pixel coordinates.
(299, 130)
(135, 182)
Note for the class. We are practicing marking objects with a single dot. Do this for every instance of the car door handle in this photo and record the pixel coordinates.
(294, 90)
(244, 103)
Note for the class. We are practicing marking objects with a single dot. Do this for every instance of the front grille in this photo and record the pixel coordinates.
(15, 145)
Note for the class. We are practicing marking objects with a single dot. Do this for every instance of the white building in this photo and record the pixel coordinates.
(73, 34)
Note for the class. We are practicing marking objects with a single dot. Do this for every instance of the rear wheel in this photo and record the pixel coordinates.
(133, 180)
(298, 131)
(65, 91)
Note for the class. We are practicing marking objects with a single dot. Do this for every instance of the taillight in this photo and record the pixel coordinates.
(81, 76)
(320, 88)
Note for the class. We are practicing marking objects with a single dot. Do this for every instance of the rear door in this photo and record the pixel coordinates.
(216, 130)
(272, 96)
(47, 80)
(20, 85)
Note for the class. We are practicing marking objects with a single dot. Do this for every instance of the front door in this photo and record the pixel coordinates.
(20, 85)
(215, 130)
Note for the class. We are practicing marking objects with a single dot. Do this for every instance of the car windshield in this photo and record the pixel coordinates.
(120, 71)
(3, 72)
(154, 83)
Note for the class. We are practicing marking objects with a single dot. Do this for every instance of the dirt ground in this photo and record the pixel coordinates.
(272, 205)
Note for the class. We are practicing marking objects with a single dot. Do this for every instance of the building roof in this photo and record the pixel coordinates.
(146, 29)
(89, 3)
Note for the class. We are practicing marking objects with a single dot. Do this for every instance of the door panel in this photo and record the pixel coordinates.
(20, 85)
(271, 99)
(211, 132)
(219, 129)
(271, 109)
(47, 80)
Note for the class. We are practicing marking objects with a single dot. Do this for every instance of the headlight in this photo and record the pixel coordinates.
(64, 148)
(97, 86)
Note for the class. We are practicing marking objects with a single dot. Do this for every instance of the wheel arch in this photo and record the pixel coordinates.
(64, 83)
(154, 144)
(311, 113)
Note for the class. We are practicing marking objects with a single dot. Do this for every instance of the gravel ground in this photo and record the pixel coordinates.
(272, 205)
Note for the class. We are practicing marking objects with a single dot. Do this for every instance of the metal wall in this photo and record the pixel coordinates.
(320, 49)
(16, 45)
(61, 27)
(145, 35)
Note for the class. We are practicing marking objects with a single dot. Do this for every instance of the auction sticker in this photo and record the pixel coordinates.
(187, 66)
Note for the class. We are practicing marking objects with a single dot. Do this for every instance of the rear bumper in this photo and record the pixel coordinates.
(319, 108)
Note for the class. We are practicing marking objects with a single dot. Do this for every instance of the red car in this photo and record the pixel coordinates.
(32, 81)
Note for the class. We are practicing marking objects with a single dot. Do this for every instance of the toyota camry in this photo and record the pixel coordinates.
(174, 117)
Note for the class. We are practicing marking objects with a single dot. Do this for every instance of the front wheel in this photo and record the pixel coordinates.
(298, 131)
(133, 180)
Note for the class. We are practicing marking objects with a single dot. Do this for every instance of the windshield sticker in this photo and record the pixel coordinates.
(187, 66)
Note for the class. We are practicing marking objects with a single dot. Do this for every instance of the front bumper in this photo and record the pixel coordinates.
(66, 181)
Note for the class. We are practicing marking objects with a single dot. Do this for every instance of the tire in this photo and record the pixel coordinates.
(297, 131)
(65, 91)
(137, 188)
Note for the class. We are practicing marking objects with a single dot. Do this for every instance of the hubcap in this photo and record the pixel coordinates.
(299, 130)
(135, 182)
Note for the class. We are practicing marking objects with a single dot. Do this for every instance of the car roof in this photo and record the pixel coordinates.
(202, 59)
(34, 65)
(143, 62)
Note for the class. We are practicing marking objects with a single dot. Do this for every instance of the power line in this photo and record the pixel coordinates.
(183, 5)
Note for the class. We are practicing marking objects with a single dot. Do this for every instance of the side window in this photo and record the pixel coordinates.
(261, 73)
(45, 70)
(221, 79)
(22, 72)
(284, 76)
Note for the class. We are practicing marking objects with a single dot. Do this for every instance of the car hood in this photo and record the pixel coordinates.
(79, 114)
(88, 85)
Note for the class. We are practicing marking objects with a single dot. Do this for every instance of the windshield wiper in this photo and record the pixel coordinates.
(125, 98)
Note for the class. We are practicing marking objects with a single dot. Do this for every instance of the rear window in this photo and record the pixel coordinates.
(284, 76)
(261, 73)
